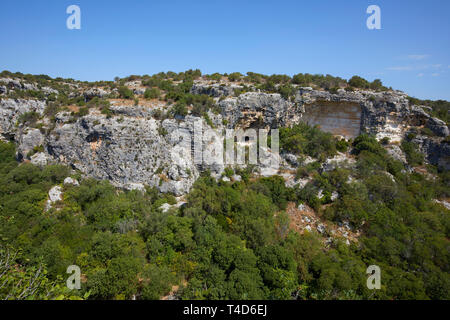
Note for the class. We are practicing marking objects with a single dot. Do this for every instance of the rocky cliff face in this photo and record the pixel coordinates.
(133, 149)
(129, 151)
(10, 112)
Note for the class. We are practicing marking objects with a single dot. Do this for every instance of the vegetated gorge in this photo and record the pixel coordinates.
(88, 178)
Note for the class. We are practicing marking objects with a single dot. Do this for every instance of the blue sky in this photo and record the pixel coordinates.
(117, 38)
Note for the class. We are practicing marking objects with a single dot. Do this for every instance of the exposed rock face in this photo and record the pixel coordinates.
(54, 195)
(136, 111)
(135, 186)
(382, 114)
(132, 149)
(214, 90)
(436, 152)
(41, 159)
(15, 84)
(438, 127)
(256, 110)
(11, 110)
(396, 152)
(139, 91)
(11, 83)
(385, 114)
(165, 207)
(95, 92)
(71, 181)
(29, 140)
(125, 152)
(339, 118)
(341, 160)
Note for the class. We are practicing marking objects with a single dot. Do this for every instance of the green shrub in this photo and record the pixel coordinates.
(413, 155)
(125, 93)
(152, 93)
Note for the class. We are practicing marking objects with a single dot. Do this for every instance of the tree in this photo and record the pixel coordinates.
(235, 76)
(179, 109)
(152, 93)
(125, 93)
(358, 82)
(19, 282)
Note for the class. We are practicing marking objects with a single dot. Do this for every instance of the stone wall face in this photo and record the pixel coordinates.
(338, 118)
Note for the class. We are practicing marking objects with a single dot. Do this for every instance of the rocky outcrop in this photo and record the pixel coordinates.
(132, 149)
(215, 90)
(256, 110)
(11, 83)
(341, 160)
(15, 84)
(438, 127)
(437, 152)
(41, 159)
(11, 110)
(125, 152)
(28, 141)
(95, 92)
(71, 181)
(54, 195)
(384, 114)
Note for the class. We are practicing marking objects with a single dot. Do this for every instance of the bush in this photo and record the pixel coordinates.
(358, 82)
(304, 139)
(29, 118)
(342, 145)
(125, 93)
(235, 76)
(152, 93)
(413, 156)
(179, 109)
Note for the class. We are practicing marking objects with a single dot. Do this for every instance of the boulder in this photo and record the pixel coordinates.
(12, 109)
(28, 141)
(341, 160)
(165, 207)
(94, 92)
(12, 83)
(135, 186)
(71, 181)
(54, 195)
(438, 126)
(214, 90)
(40, 159)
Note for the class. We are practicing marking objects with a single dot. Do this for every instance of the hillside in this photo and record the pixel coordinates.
(104, 175)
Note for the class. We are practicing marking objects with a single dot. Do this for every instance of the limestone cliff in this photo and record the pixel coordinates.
(132, 148)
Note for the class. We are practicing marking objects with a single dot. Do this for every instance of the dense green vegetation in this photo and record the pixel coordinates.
(175, 84)
(232, 239)
(311, 141)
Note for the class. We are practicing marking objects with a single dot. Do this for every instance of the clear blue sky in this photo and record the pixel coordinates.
(119, 38)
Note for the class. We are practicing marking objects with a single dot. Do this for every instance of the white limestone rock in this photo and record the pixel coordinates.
(54, 195)
(71, 181)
